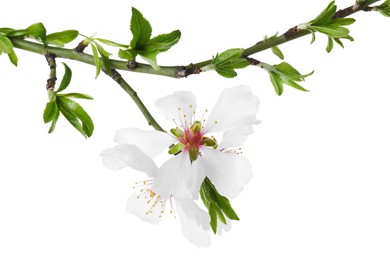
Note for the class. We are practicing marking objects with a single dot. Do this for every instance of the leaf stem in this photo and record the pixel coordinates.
(129, 90)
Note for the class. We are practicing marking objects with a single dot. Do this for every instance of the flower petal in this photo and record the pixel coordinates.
(229, 172)
(150, 142)
(224, 228)
(194, 222)
(236, 137)
(177, 177)
(235, 107)
(137, 205)
(125, 155)
(178, 107)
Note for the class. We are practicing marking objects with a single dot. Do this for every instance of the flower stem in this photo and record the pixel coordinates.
(129, 90)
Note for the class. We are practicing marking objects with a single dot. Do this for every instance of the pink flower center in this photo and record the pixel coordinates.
(191, 139)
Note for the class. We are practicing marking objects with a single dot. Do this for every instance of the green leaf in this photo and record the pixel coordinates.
(6, 31)
(332, 31)
(290, 72)
(329, 48)
(76, 95)
(50, 111)
(339, 42)
(6, 45)
(141, 30)
(76, 115)
(341, 22)
(61, 38)
(151, 58)
(163, 42)
(127, 54)
(276, 82)
(278, 52)
(104, 58)
(313, 37)
(293, 84)
(326, 15)
(54, 121)
(218, 206)
(226, 72)
(112, 43)
(213, 218)
(65, 79)
(227, 55)
(36, 30)
(13, 58)
(96, 60)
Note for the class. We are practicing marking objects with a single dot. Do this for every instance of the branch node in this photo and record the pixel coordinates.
(291, 32)
(51, 83)
(50, 57)
(132, 64)
(115, 75)
(80, 47)
(253, 61)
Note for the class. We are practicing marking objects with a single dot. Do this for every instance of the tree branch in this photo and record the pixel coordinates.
(180, 71)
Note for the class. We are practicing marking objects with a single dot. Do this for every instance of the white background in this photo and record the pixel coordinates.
(320, 159)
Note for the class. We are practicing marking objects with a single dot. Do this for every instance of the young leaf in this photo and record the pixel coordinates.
(293, 84)
(54, 121)
(96, 60)
(163, 42)
(218, 206)
(227, 55)
(332, 31)
(141, 30)
(6, 45)
(339, 42)
(278, 52)
(227, 73)
(13, 58)
(329, 48)
(37, 30)
(127, 54)
(66, 79)
(276, 82)
(151, 58)
(326, 15)
(50, 111)
(76, 95)
(111, 43)
(76, 115)
(104, 58)
(61, 38)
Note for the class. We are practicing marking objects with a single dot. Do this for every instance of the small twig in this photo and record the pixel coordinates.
(129, 90)
(51, 60)
(81, 47)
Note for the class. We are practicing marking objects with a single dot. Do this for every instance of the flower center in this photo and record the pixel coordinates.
(191, 139)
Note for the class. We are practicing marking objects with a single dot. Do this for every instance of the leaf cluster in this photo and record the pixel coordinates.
(65, 105)
(384, 8)
(218, 206)
(285, 74)
(226, 62)
(335, 29)
(36, 31)
(143, 45)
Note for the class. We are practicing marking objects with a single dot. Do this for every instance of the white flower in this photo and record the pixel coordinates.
(195, 155)
(199, 154)
(148, 205)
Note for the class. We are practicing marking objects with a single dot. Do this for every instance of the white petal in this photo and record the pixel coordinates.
(178, 107)
(235, 107)
(194, 222)
(150, 142)
(138, 205)
(224, 228)
(236, 137)
(177, 177)
(125, 155)
(229, 172)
